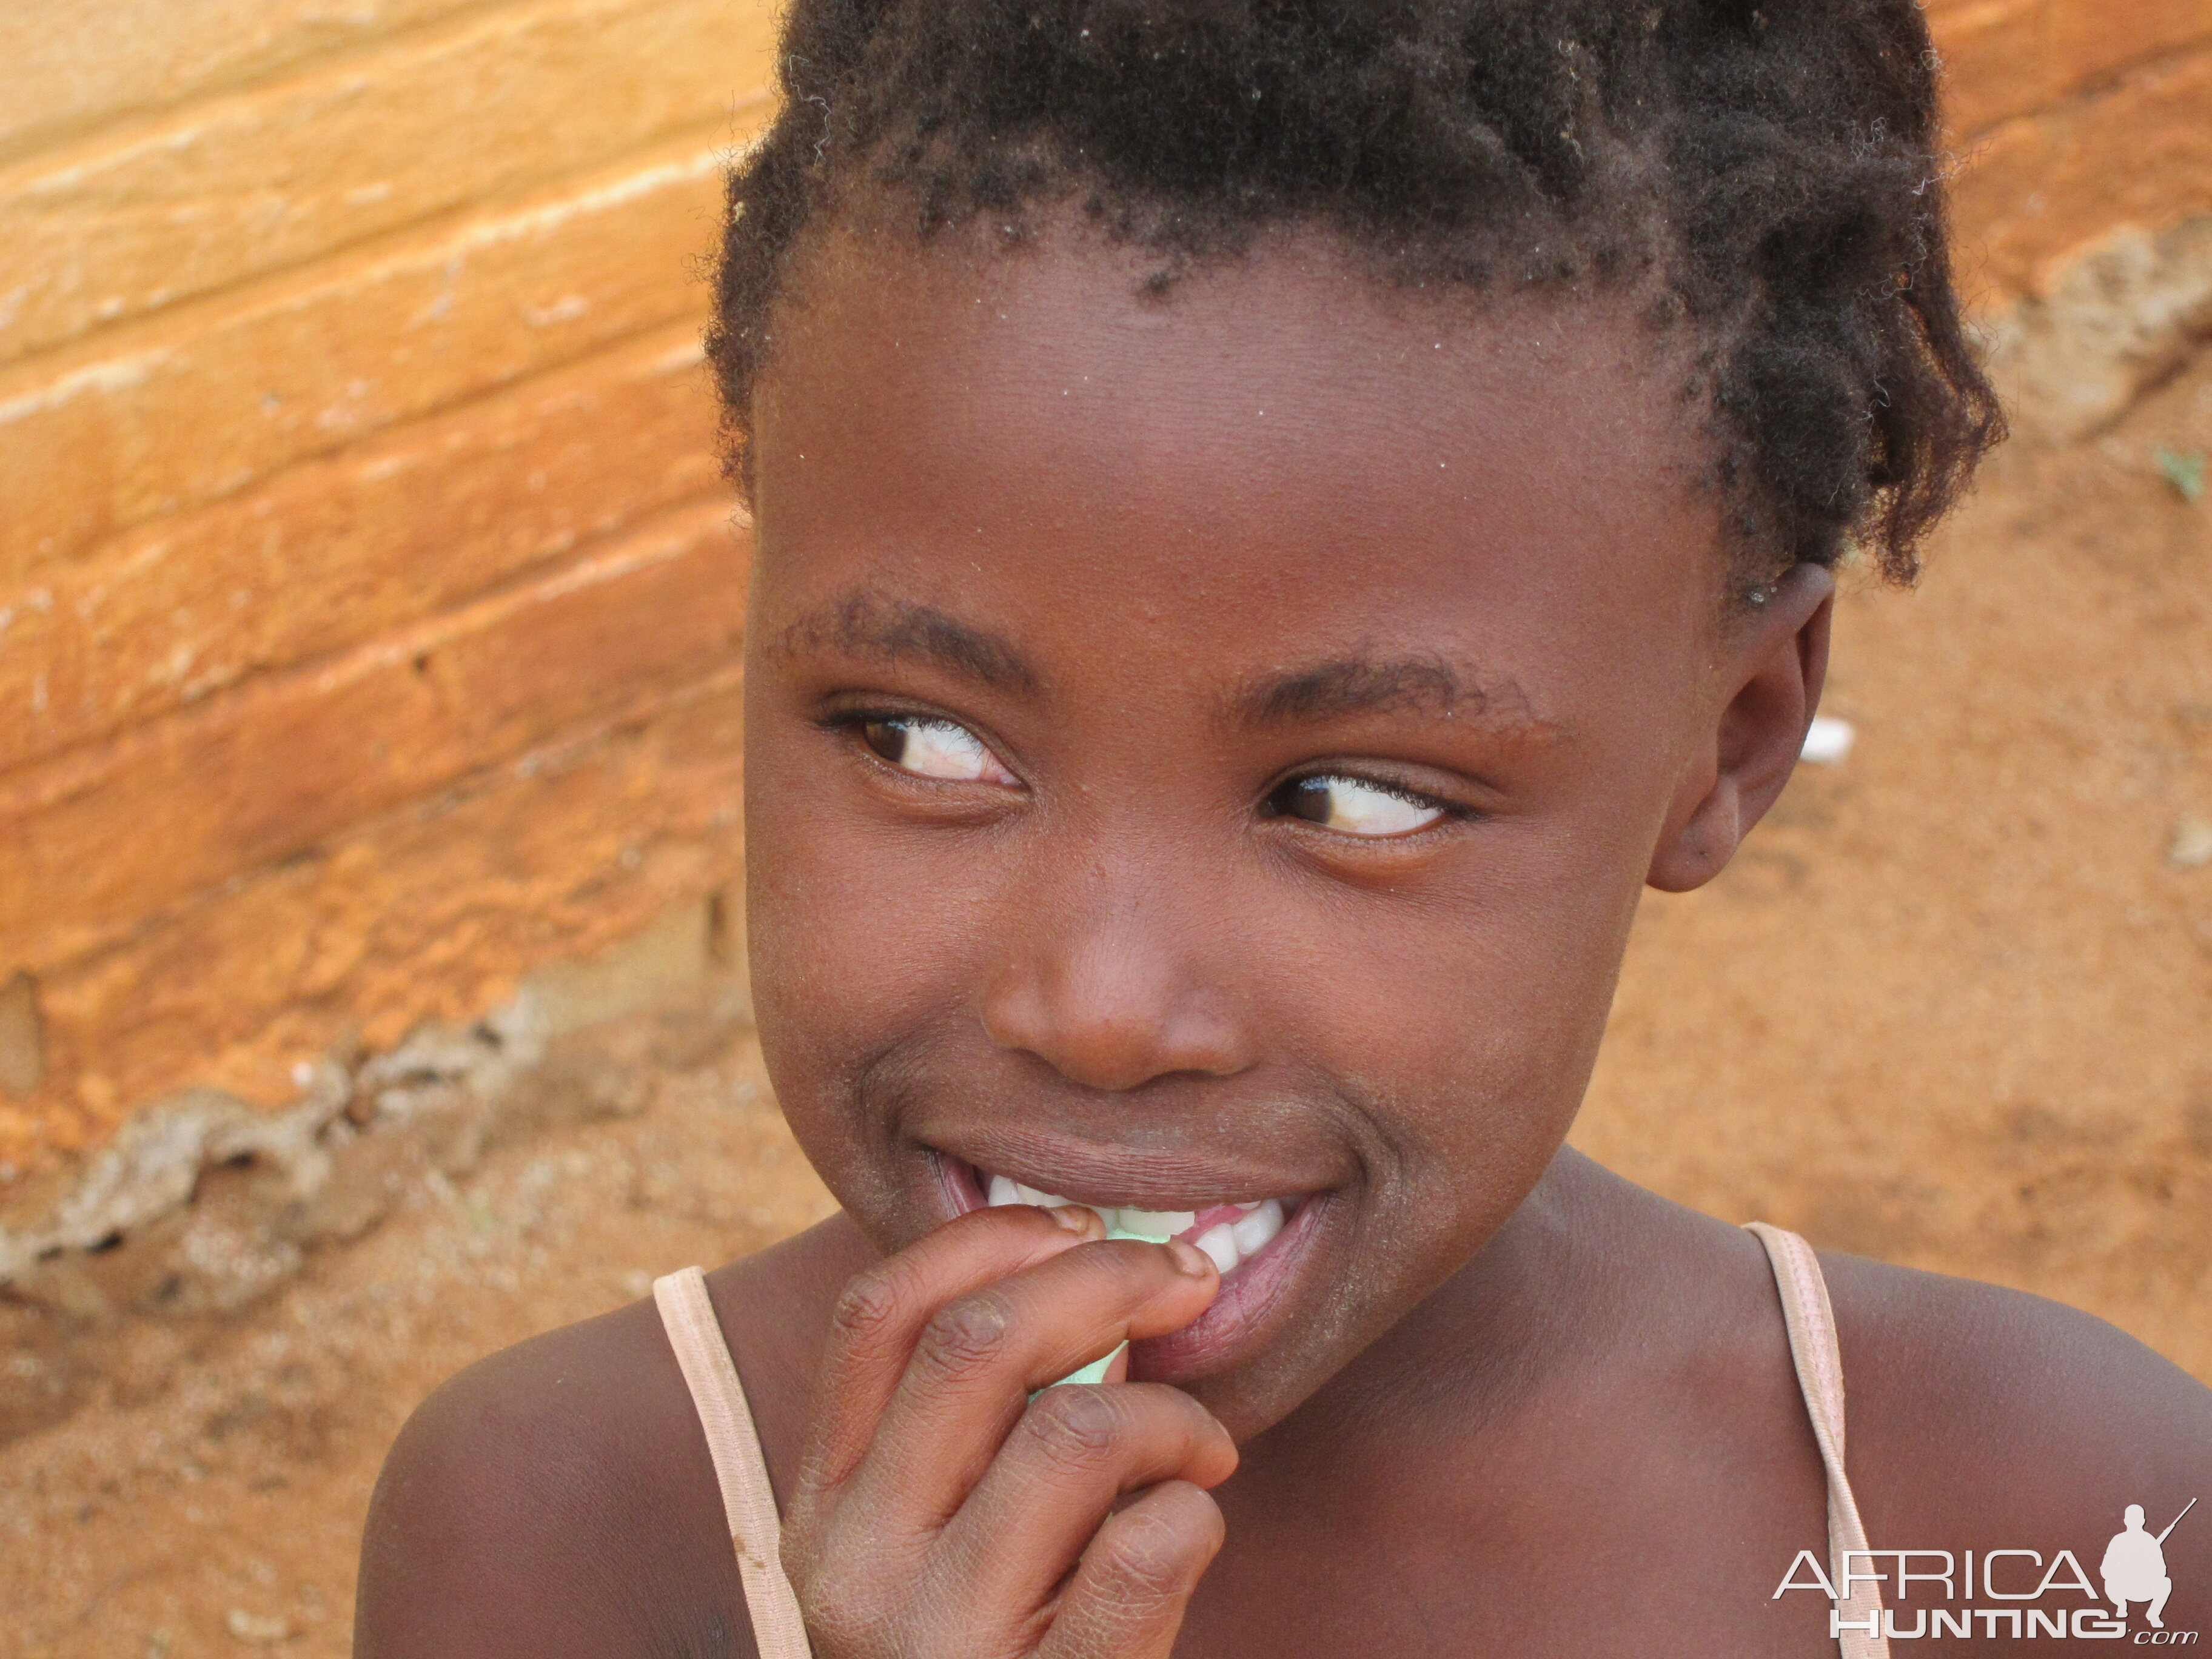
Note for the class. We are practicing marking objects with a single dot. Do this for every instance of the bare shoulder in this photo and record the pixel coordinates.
(554, 1498)
(1981, 1417)
(558, 1497)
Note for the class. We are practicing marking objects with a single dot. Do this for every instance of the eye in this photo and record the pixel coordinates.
(932, 748)
(1354, 806)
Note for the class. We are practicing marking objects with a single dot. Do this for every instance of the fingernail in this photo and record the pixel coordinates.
(1189, 1259)
(1079, 1219)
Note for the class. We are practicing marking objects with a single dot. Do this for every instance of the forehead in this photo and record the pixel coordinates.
(1279, 454)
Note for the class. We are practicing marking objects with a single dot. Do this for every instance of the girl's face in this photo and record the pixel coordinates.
(1208, 749)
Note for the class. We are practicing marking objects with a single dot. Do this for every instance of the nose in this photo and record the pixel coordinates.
(1114, 993)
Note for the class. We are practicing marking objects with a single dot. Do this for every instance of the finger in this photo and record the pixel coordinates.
(979, 1356)
(1074, 1453)
(1128, 1596)
(881, 1311)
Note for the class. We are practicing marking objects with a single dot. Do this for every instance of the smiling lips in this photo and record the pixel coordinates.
(1230, 1234)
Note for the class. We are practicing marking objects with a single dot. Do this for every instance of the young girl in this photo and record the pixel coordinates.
(1275, 519)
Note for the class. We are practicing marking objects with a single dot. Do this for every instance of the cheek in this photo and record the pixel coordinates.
(837, 980)
(851, 923)
(1492, 997)
(1473, 1027)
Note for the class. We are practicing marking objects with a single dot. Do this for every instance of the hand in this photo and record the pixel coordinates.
(941, 1513)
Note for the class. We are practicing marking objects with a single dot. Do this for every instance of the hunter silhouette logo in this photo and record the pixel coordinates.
(2134, 1569)
(1999, 1594)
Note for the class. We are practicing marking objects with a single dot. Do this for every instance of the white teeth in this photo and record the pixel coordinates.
(1226, 1243)
(1154, 1223)
(1218, 1243)
(1256, 1227)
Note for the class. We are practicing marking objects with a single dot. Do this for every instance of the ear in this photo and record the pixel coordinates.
(1771, 668)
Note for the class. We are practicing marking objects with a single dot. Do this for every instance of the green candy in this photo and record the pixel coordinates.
(1118, 1231)
(1095, 1370)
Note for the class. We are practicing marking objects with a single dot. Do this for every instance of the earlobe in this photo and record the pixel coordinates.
(1775, 664)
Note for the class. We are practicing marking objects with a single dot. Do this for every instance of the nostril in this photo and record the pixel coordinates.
(1114, 1010)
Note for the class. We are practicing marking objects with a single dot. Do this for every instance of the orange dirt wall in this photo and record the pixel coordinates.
(2070, 119)
(368, 603)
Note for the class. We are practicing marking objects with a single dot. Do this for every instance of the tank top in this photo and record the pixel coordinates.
(754, 1528)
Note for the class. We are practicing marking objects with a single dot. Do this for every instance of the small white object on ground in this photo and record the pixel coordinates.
(1827, 740)
(259, 1632)
(2191, 845)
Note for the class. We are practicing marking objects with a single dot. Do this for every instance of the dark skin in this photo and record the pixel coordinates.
(1210, 748)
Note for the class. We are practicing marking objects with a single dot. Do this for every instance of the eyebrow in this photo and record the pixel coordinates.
(869, 623)
(1348, 686)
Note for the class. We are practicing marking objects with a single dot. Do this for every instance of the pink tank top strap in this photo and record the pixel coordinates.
(748, 1500)
(1811, 1320)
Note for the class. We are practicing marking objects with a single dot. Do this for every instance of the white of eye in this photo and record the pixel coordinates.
(1353, 807)
(933, 749)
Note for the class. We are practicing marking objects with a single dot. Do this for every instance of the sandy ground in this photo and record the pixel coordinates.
(1953, 1007)
(210, 1501)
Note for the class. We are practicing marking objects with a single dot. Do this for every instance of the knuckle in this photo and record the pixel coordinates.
(838, 1619)
(868, 1305)
(1146, 1559)
(1074, 1427)
(844, 1608)
(964, 1338)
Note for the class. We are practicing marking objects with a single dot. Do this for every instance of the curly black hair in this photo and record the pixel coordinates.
(1770, 171)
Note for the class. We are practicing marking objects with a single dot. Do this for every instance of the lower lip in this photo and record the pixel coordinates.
(1251, 1298)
